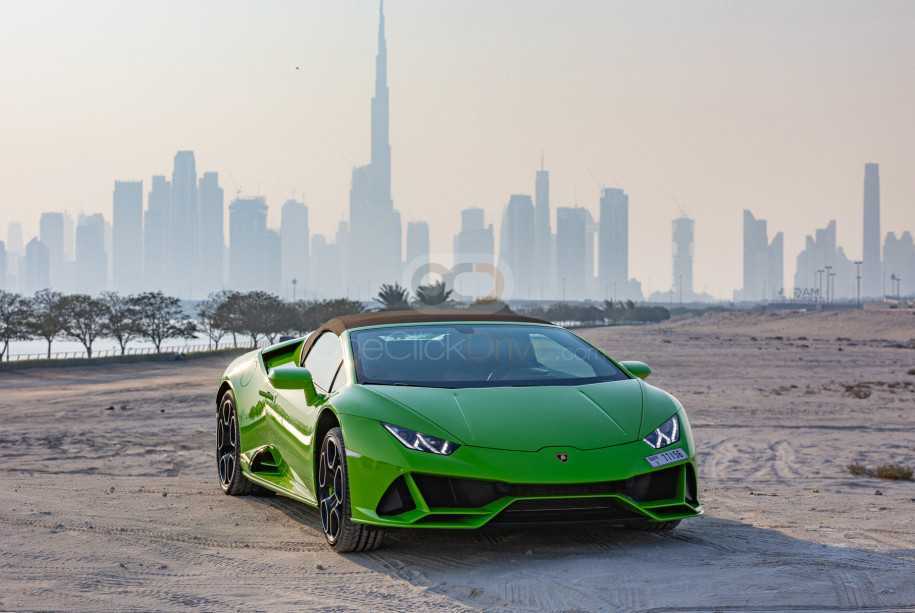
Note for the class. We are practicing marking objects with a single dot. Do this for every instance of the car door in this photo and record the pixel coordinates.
(295, 418)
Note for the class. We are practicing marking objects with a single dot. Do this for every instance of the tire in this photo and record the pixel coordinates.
(658, 526)
(228, 450)
(341, 533)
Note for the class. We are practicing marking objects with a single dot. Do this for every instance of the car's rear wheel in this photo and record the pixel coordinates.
(228, 450)
(341, 532)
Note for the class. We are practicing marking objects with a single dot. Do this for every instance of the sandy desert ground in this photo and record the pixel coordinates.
(110, 501)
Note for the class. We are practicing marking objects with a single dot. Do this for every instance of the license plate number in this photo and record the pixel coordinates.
(666, 457)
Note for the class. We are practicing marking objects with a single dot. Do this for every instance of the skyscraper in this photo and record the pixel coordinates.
(155, 234)
(69, 238)
(325, 268)
(763, 262)
(212, 241)
(51, 234)
(248, 244)
(823, 268)
(474, 255)
(294, 234)
(872, 284)
(591, 231)
(91, 257)
(899, 262)
(127, 236)
(183, 228)
(475, 242)
(683, 248)
(543, 235)
(36, 269)
(516, 245)
(775, 268)
(375, 228)
(417, 243)
(572, 252)
(613, 243)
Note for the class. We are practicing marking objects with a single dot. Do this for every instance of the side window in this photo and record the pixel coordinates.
(323, 359)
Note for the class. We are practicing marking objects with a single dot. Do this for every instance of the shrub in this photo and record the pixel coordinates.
(893, 472)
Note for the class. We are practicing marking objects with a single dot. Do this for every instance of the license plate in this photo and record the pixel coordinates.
(666, 457)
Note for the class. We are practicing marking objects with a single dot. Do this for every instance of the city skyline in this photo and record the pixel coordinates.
(645, 253)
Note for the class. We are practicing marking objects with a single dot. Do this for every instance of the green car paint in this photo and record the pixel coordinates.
(530, 443)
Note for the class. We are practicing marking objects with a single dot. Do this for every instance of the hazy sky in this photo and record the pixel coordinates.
(705, 107)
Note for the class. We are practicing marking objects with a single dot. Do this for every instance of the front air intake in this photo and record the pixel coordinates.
(396, 499)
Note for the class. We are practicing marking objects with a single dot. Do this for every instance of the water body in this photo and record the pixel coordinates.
(39, 348)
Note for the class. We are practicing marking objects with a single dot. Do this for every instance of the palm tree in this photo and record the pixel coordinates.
(393, 297)
(433, 294)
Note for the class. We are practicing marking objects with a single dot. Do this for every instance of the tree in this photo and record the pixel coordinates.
(328, 309)
(121, 318)
(14, 320)
(262, 314)
(46, 319)
(231, 316)
(393, 297)
(309, 314)
(212, 317)
(160, 317)
(84, 319)
(279, 318)
(433, 294)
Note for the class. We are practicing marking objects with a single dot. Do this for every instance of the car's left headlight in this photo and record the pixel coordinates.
(666, 434)
(421, 442)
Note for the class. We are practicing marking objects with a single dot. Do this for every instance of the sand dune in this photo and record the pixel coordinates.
(879, 323)
(110, 499)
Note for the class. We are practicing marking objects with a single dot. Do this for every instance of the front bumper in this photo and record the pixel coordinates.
(392, 486)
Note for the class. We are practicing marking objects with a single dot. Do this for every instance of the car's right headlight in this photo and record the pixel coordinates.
(421, 442)
(666, 434)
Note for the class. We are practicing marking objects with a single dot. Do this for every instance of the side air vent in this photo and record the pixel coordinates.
(396, 499)
(264, 462)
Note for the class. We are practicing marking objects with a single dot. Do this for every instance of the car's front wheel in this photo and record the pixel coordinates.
(341, 532)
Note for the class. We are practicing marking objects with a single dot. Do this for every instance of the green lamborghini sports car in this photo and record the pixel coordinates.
(453, 420)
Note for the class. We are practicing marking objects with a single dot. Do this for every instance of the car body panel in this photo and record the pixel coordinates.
(586, 416)
(572, 435)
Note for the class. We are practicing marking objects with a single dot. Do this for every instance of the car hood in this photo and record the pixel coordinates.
(530, 418)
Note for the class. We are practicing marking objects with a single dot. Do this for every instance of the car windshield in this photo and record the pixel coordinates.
(477, 355)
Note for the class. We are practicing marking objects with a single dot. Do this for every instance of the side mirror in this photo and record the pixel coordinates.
(294, 378)
(639, 369)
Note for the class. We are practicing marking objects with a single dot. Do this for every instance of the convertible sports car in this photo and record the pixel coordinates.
(453, 420)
